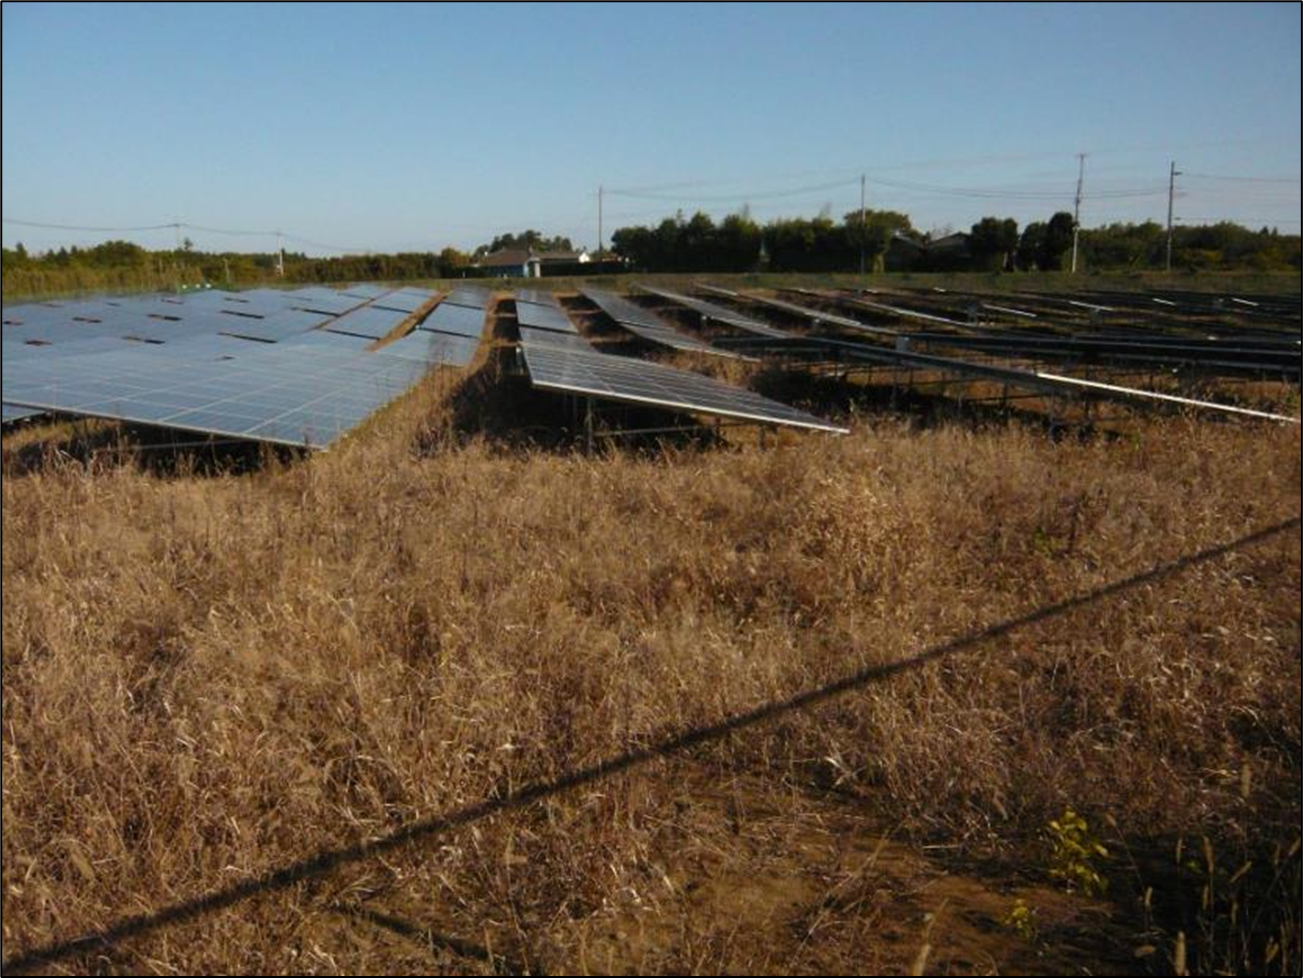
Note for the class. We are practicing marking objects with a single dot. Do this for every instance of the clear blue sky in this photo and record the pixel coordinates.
(417, 126)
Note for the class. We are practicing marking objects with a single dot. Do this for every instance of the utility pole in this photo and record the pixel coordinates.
(1076, 208)
(863, 224)
(1171, 195)
(176, 261)
(599, 221)
(280, 255)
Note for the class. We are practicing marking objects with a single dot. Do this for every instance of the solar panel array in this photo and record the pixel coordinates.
(560, 362)
(646, 324)
(267, 365)
(711, 310)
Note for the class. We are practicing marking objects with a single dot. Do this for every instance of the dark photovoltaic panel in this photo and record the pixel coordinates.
(579, 371)
(462, 320)
(711, 310)
(544, 317)
(367, 321)
(646, 324)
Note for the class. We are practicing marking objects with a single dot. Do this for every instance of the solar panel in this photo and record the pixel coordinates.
(711, 310)
(324, 339)
(297, 396)
(404, 300)
(646, 324)
(12, 413)
(622, 310)
(276, 326)
(324, 300)
(433, 348)
(538, 297)
(461, 320)
(365, 290)
(628, 380)
(544, 317)
(367, 321)
(469, 295)
(548, 337)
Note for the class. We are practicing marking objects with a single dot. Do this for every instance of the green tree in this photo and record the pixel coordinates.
(993, 242)
(1057, 242)
(1031, 245)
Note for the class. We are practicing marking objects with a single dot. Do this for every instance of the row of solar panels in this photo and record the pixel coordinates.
(560, 359)
(266, 365)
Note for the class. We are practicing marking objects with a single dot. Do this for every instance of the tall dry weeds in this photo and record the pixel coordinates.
(205, 678)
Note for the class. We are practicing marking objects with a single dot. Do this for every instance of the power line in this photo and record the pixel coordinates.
(1217, 176)
(75, 227)
(179, 226)
(720, 198)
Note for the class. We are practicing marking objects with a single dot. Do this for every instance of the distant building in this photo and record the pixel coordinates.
(906, 253)
(526, 263)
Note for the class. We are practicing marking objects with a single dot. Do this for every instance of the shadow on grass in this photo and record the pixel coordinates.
(164, 452)
(674, 743)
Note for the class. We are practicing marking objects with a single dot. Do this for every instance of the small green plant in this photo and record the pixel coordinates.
(1021, 919)
(1075, 852)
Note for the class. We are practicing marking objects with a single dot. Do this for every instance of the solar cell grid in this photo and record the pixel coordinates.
(461, 320)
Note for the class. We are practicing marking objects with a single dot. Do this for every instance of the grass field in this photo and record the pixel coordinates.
(266, 687)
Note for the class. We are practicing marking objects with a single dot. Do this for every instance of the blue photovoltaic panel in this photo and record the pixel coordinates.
(367, 321)
(404, 300)
(317, 299)
(291, 395)
(434, 348)
(324, 339)
(366, 291)
(462, 320)
(12, 413)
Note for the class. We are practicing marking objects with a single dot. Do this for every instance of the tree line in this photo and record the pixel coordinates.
(887, 241)
(880, 240)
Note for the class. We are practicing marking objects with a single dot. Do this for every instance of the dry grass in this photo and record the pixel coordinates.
(208, 678)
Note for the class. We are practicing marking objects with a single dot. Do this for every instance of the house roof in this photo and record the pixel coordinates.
(509, 257)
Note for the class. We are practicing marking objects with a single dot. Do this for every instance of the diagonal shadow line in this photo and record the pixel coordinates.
(501, 964)
(331, 859)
